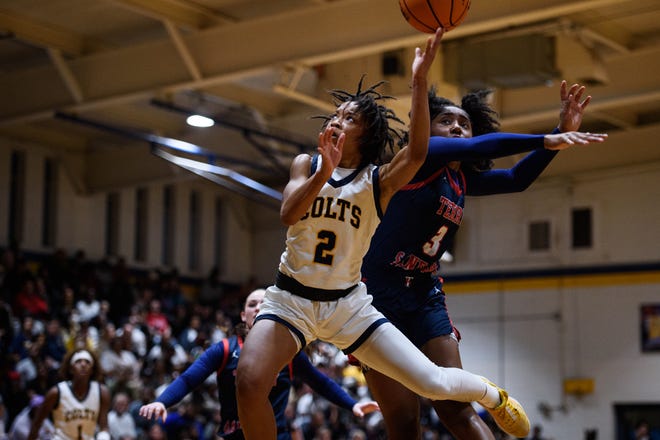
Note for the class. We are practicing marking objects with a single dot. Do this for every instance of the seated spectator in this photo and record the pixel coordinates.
(54, 348)
(83, 335)
(88, 306)
(20, 427)
(190, 335)
(156, 319)
(166, 347)
(156, 432)
(31, 301)
(120, 366)
(120, 421)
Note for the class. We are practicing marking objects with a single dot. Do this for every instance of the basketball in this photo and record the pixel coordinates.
(428, 15)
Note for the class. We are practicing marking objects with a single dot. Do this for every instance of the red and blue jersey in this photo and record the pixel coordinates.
(402, 264)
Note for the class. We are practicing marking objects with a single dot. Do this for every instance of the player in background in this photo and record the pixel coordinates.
(222, 359)
(401, 267)
(79, 405)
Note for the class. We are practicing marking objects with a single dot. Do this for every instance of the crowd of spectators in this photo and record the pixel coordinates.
(145, 329)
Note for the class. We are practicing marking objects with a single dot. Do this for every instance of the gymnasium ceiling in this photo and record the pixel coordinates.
(104, 84)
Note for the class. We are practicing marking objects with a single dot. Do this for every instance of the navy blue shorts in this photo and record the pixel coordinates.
(427, 320)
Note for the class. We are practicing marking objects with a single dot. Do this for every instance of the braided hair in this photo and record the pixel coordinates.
(378, 135)
(482, 117)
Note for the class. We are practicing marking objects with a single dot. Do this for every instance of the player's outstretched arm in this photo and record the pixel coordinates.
(154, 410)
(561, 141)
(361, 409)
(409, 159)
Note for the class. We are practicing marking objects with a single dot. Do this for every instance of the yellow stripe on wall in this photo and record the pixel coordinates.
(552, 282)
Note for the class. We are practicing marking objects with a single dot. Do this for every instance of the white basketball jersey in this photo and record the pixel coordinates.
(76, 419)
(325, 248)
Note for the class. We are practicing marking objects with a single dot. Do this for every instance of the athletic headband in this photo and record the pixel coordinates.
(82, 355)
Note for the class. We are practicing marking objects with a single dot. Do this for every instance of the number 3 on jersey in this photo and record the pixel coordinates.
(327, 242)
(432, 246)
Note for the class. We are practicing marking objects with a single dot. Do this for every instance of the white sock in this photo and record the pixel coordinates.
(491, 398)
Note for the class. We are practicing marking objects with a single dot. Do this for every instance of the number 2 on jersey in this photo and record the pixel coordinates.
(327, 242)
(432, 246)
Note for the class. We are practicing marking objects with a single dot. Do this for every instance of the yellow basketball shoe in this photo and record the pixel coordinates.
(509, 415)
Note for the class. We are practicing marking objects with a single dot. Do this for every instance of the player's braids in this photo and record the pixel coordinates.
(378, 135)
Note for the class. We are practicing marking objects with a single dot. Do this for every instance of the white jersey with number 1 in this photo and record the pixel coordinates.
(76, 419)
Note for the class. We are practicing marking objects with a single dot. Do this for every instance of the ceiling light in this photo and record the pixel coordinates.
(199, 121)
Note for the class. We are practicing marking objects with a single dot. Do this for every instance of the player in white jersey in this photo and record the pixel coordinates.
(332, 206)
(79, 404)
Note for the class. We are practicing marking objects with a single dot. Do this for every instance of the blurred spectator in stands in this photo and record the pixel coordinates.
(83, 335)
(120, 366)
(30, 300)
(66, 311)
(191, 335)
(134, 337)
(88, 306)
(44, 377)
(14, 394)
(108, 333)
(222, 327)
(170, 293)
(29, 365)
(120, 422)
(156, 432)
(22, 339)
(20, 428)
(357, 434)
(180, 318)
(184, 423)
(54, 349)
(168, 348)
(156, 320)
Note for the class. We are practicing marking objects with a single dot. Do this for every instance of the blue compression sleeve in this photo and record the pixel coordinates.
(488, 146)
(319, 382)
(510, 180)
(515, 179)
(194, 375)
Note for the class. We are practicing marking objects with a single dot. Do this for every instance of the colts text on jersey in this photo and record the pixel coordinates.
(340, 209)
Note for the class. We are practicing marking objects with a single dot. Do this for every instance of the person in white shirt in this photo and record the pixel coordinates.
(120, 421)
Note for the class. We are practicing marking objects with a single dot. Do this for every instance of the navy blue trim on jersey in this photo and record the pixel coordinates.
(295, 287)
(332, 182)
(355, 345)
(376, 182)
(346, 180)
(314, 164)
(273, 317)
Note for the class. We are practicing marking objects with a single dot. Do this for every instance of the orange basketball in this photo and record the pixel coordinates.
(428, 15)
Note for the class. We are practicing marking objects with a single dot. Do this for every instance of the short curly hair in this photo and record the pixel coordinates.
(378, 135)
(66, 369)
(483, 117)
